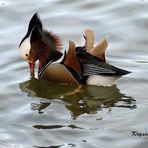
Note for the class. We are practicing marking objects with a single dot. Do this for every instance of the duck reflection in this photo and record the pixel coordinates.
(87, 99)
(40, 106)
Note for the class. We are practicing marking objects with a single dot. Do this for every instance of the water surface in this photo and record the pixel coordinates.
(41, 114)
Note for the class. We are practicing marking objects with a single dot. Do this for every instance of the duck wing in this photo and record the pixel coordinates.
(92, 65)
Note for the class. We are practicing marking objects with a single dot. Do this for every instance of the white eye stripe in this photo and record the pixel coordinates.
(25, 46)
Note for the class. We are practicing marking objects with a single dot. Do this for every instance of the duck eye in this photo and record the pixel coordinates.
(26, 55)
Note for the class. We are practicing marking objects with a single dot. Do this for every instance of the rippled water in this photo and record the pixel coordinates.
(35, 113)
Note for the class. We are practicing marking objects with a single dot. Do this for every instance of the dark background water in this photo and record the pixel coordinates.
(40, 114)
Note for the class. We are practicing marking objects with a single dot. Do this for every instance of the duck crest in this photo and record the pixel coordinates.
(71, 59)
(56, 40)
(34, 22)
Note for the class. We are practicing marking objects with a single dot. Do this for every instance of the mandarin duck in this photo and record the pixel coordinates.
(82, 65)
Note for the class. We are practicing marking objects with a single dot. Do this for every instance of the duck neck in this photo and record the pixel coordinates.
(53, 56)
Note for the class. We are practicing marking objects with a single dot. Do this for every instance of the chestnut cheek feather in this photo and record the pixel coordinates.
(32, 66)
(43, 56)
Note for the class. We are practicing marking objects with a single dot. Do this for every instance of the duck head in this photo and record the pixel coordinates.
(39, 44)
